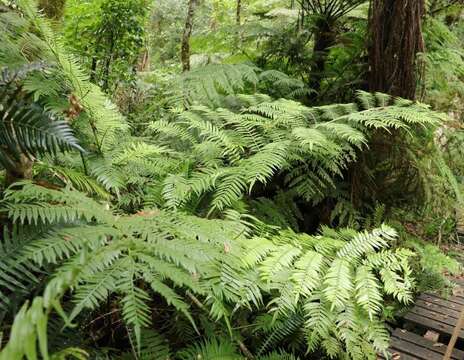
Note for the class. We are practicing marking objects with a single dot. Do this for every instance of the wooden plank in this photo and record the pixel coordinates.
(427, 313)
(431, 324)
(408, 348)
(454, 299)
(399, 356)
(420, 340)
(437, 308)
(440, 302)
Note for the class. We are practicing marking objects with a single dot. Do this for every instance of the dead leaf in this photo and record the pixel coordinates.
(432, 336)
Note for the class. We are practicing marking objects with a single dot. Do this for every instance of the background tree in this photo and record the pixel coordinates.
(110, 35)
(188, 27)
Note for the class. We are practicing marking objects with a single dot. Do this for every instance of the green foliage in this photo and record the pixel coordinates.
(26, 128)
(109, 35)
(151, 247)
(445, 65)
(17, 276)
(432, 265)
(96, 120)
(189, 229)
(334, 286)
(29, 329)
(228, 153)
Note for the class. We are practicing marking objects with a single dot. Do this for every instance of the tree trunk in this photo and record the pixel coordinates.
(185, 51)
(22, 171)
(238, 22)
(324, 38)
(106, 69)
(238, 13)
(396, 39)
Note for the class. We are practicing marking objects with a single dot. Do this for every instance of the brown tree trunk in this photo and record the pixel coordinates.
(396, 39)
(185, 50)
(22, 171)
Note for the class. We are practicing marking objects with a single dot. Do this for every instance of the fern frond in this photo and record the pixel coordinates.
(35, 204)
(368, 293)
(216, 348)
(338, 284)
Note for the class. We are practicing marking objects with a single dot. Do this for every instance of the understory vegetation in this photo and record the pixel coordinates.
(225, 179)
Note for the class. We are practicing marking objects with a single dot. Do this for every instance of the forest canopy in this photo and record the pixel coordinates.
(226, 179)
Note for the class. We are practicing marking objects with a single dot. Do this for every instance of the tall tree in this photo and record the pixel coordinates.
(185, 50)
(396, 39)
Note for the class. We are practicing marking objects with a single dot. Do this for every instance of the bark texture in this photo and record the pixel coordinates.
(238, 15)
(185, 50)
(396, 39)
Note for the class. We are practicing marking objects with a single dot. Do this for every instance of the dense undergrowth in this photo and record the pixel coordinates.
(227, 212)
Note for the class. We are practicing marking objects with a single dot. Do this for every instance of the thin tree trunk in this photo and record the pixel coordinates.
(93, 69)
(238, 22)
(396, 39)
(324, 39)
(185, 51)
(106, 69)
(238, 19)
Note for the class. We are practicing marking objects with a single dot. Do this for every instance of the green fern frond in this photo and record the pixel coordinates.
(212, 349)
(36, 204)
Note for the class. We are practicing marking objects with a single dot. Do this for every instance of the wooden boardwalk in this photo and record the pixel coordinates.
(431, 312)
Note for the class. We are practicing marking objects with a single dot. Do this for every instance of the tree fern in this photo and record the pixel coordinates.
(239, 149)
(340, 280)
(150, 247)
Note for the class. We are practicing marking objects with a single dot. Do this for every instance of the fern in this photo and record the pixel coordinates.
(212, 350)
(239, 150)
(102, 121)
(153, 248)
(26, 128)
(153, 346)
(17, 276)
(339, 279)
(29, 330)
